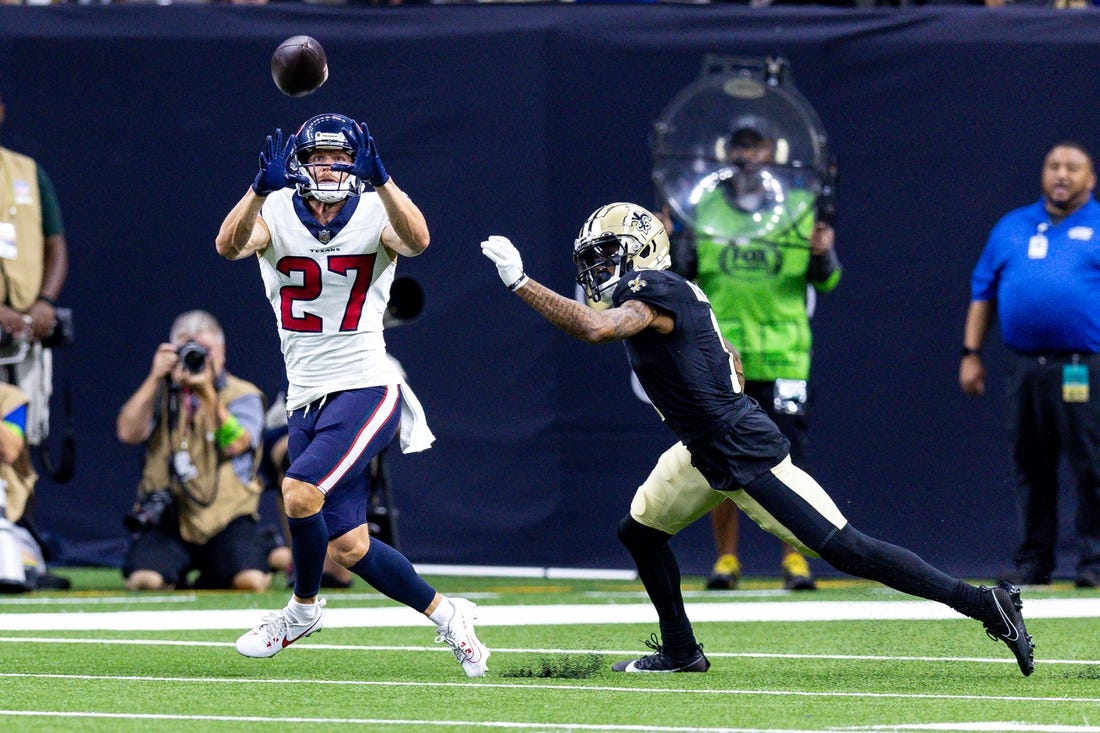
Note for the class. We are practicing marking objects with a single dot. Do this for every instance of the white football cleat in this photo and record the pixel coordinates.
(459, 635)
(276, 632)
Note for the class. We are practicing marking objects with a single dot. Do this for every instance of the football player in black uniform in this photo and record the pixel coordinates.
(728, 447)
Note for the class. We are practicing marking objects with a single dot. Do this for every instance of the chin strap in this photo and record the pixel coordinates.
(312, 194)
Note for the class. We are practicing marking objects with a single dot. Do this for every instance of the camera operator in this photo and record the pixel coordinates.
(34, 266)
(22, 567)
(198, 500)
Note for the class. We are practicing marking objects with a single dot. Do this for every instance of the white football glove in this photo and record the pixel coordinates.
(506, 257)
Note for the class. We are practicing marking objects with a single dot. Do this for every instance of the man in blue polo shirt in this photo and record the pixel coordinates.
(1040, 269)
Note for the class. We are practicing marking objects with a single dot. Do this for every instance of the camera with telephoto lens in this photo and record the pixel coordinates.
(149, 510)
(193, 356)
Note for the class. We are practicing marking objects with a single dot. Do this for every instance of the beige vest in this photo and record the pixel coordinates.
(21, 205)
(19, 477)
(216, 496)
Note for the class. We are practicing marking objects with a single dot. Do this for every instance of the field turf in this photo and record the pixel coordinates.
(97, 658)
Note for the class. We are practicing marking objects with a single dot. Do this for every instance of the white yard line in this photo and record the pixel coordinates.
(430, 724)
(419, 725)
(980, 728)
(484, 684)
(489, 615)
(313, 646)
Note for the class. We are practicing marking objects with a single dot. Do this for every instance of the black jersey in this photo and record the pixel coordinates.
(687, 374)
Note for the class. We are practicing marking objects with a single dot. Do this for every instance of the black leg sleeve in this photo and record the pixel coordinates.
(855, 553)
(660, 574)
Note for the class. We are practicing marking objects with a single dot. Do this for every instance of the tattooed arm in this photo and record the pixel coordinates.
(579, 321)
(590, 326)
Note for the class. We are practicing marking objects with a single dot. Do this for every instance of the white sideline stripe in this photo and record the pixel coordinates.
(420, 724)
(96, 600)
(556, 614)
(987, 725)
(483, 684)
(505, 571)
(428, 724)
(312, 646)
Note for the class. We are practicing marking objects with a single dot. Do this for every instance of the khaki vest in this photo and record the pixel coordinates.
(216, 496)
(21, 204)
(20, 477)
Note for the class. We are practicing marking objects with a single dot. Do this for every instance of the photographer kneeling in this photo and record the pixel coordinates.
(198, 501)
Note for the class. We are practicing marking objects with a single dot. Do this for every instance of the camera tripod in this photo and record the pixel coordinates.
(381, 511)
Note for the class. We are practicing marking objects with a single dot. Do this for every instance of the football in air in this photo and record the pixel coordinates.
(299, 66)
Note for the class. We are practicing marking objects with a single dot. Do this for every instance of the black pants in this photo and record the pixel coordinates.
(1044, 428)
(795, 427)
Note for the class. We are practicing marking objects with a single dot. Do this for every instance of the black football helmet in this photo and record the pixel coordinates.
(325, 132)
(617, 239)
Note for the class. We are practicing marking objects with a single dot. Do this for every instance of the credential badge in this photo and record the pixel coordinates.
(1037, 247)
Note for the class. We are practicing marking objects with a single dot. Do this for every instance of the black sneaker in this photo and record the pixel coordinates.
(49, 581)
(1007, 624)
(661, 662)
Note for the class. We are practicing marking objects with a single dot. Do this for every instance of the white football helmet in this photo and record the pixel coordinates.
(325, 132)
(617, 239)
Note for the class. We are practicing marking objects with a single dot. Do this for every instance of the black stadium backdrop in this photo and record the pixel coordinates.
(520, 120)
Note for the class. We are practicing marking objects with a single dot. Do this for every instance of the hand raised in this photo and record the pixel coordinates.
(367, 165)
(507, 259)
(274, 159)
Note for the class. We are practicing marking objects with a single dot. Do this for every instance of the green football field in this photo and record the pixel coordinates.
(850, 657)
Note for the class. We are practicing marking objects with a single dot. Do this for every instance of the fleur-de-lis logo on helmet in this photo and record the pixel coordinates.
(615, 240)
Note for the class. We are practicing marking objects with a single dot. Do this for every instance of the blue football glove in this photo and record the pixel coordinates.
(274, 158)
(367, 166)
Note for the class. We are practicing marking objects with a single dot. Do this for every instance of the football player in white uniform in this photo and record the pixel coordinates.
(327, 224)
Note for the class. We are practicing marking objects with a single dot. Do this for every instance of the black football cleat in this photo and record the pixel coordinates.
(661, 662)
(1006, 623)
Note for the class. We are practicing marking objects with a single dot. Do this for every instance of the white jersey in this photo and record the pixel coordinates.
(329, 292)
